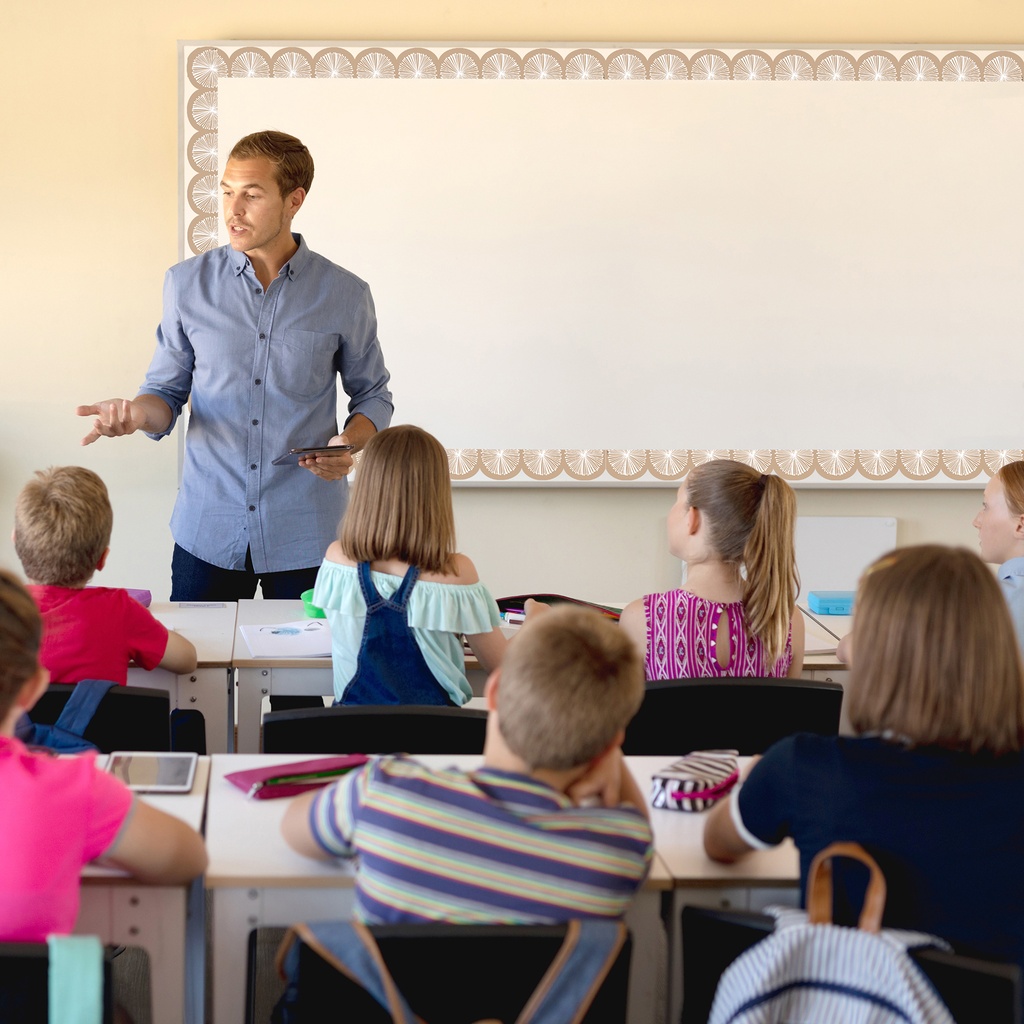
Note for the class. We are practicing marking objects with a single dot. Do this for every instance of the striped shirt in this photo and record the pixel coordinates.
(478, 847)
(682, 639)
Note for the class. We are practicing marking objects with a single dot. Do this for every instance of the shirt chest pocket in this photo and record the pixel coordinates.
(303, 362)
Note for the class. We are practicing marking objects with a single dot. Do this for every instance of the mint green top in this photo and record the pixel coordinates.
(439, 613)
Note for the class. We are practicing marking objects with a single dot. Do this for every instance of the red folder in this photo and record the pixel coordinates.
(279, 780)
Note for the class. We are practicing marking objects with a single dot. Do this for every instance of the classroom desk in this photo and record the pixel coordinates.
(165, 920)
(257, 678)
(256, 880)
(210, 688)
(762, 878)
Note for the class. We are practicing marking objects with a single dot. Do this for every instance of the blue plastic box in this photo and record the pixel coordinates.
(830, 602)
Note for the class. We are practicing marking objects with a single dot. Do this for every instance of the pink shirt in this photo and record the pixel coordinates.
(682, 639)
(56, 814)
(93, 632)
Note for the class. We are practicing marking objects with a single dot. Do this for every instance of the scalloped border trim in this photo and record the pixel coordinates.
(206, 63)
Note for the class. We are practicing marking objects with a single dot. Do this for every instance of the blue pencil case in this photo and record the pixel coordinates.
(830, 602)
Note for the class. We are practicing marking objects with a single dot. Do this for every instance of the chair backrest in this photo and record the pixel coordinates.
(24, 991)
(128, 717)
(747, 715)
(373, 729)
(976, 991)
(455, 974)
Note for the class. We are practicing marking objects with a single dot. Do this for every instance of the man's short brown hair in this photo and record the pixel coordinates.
(569, 682)
(20, 632)
(935, 657)
(293, 164)
(62, 525)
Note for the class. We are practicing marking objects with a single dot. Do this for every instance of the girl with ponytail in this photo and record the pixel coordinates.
(736, 614)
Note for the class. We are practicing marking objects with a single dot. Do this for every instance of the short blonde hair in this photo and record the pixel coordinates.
(401, 503)
(20, 632)
(569, 682)
(751, 520)
(935, 658)
(62, 525)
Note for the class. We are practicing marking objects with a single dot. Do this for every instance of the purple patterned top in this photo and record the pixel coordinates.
(682, 631)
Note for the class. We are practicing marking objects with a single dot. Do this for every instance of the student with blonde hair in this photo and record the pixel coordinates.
(931, 784)
(552, 827)
(736, 613)
(1000, 526)
(59, 813)
(62, 526)
(397, 594)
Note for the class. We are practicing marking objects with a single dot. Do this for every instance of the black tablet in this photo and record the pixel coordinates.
(294, 454)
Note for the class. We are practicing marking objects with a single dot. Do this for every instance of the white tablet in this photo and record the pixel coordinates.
(154, 772)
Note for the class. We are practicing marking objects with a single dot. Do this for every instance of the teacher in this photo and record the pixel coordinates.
(256, 334)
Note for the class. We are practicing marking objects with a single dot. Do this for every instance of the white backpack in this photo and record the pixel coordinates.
(810, 971)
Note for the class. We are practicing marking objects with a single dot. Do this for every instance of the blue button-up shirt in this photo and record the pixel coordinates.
(1011, 578)
(261, 369)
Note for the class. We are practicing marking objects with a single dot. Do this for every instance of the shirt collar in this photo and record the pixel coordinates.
(294, 266)
(1011, 568)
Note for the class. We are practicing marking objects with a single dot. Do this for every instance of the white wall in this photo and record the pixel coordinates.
(80, 286)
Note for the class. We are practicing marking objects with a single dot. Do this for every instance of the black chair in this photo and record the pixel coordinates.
(128, 717)
(375, 729)
(24, 996)
(747, 715)
(454, 974)
(976, 991)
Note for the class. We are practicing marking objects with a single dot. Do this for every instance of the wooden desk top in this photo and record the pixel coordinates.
(679, 840)
(246, 847)
(209, 625)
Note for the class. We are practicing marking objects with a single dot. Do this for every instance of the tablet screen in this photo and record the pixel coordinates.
(154, 772)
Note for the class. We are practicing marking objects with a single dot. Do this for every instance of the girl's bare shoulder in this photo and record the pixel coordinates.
(335, 553)
(465, 573)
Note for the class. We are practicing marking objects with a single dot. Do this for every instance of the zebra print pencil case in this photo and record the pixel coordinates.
(695, 781)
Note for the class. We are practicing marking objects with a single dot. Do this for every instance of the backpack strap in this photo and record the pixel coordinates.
(569, 985)
(350, 948)
(75, 979)
(819, 887)
(82, 704)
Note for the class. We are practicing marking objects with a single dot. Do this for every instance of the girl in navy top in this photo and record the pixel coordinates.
(931, 784)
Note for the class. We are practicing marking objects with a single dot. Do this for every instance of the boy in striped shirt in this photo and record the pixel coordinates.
(551, 827)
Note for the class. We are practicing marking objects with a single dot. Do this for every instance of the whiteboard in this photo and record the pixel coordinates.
(606, 264)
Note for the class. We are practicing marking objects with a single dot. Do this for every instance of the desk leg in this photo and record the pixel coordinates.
(649, 963)
(153, 917)
(237, 911)
(211, 691)
(253, 685)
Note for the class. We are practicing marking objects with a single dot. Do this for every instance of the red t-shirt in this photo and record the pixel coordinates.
(93, 632)
(57, 813)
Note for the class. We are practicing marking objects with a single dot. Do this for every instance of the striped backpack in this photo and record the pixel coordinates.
(810, 970)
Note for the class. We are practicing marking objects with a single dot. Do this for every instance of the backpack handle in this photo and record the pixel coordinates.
(819, 886)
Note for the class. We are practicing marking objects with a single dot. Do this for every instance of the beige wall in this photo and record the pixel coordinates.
(90, 103)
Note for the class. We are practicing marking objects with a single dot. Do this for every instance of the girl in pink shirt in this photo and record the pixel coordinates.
(59, 813)
(736, 613)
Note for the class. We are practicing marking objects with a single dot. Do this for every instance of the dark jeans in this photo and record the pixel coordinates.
(192, 579)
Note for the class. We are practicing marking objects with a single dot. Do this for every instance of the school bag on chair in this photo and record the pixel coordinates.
(810, 969)
(584, 957)
(67, 734)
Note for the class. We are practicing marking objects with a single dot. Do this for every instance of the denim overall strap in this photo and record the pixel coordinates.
(391, 668)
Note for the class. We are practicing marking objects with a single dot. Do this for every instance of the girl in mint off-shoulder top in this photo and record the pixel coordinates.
(397, 595)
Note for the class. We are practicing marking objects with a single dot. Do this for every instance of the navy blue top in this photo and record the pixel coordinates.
(946, 828)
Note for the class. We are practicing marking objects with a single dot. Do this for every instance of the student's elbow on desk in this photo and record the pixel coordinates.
(179, 655)
(157, 847)
(721, 840)
(297, 831)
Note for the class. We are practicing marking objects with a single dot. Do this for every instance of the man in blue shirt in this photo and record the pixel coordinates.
(255, 334)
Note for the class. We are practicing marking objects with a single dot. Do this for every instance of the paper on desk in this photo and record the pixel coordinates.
(307, 638)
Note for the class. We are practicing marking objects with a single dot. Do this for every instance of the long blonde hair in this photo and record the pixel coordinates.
(935, 657)
(751, 520)
(401, 503)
